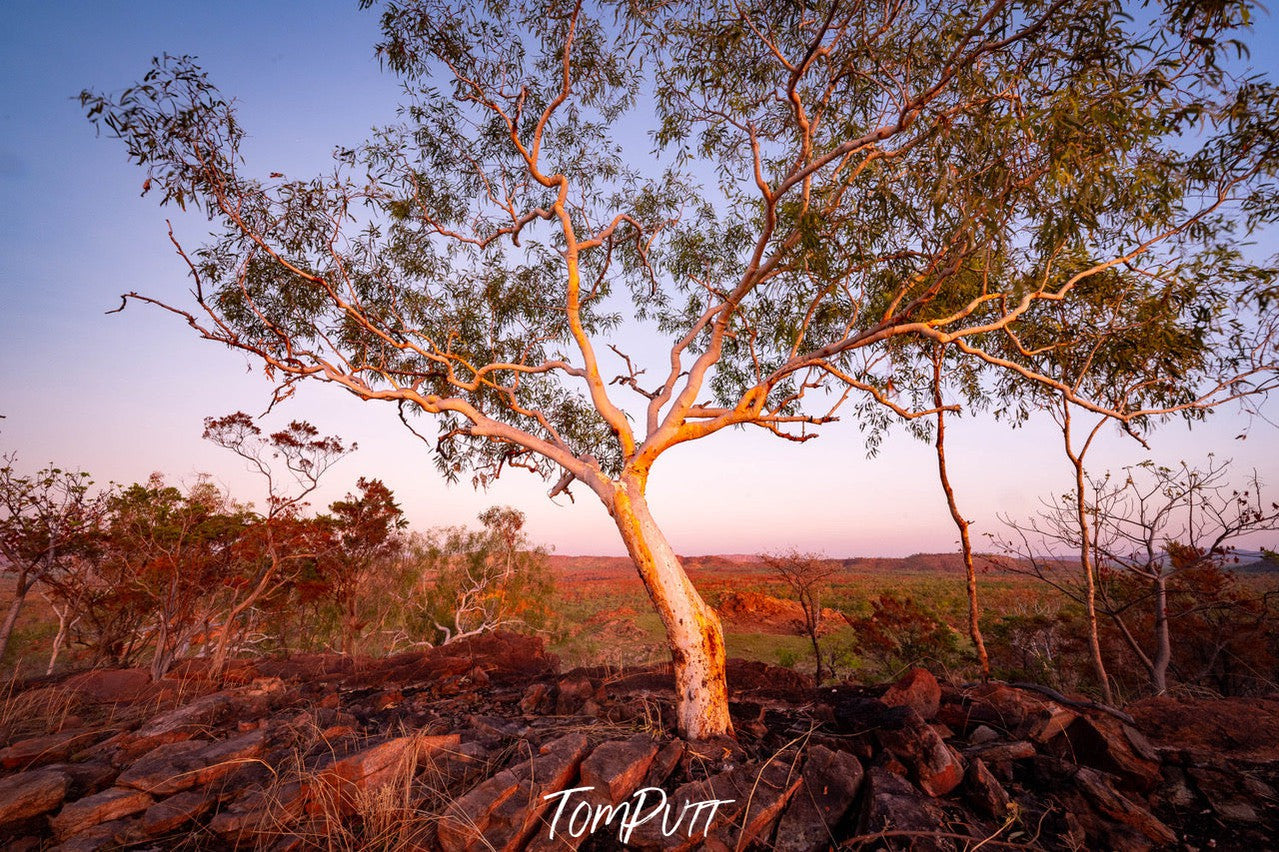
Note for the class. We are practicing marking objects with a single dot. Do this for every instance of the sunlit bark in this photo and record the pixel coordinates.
(692, 628)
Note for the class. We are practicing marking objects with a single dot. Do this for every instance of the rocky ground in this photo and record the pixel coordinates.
(485, 744)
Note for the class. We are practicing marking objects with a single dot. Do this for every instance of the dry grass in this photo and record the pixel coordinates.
(35, 712)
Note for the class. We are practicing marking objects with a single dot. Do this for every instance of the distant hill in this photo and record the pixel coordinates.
(613, 567)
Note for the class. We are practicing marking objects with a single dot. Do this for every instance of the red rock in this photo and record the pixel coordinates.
(52, 748)
(931, 763)
(617, 768)
(1052, 722)
(831, 780)
(260, 811)
(537, 700)
(388, 698)
(573, 693)
(338, 782)
(501, 813)
(1121, 809)
(1229, 796)
(88, 777)
(1106, 743)
(996, 705)
(122, 686)
(918, 689)
(751, 798)
(223, 757)
(106, 835)
(982, 734)
(28, 794)
(984, 792)
(176, 811)
(166, 769)
(613, 771)
(109, 805)
(209, 710)
(1001, 752)
(337, 732)
(894, 804)
(664, 763)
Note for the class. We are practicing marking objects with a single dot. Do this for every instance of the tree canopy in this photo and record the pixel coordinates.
(821, 185)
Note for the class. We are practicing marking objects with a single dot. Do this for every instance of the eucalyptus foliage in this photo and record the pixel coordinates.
(823, 178)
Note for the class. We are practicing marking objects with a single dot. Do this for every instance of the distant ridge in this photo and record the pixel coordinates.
(600, 567)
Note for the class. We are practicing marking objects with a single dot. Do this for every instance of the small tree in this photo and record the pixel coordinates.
(1161, 523)
(1153, 527)
(46, 520)
(291, 461)
(912, 173)
(901, 632)
(174, 550)
(477, 581)
(961, 523)
(365, 530)
(806, 575)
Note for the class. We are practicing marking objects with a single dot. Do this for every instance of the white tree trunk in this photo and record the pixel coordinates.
(15, 608)
(692, 628)
(1163, 638)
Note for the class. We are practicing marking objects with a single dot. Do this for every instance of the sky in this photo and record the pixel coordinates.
(124, 394)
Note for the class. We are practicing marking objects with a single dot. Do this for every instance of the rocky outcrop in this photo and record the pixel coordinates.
(485, 745)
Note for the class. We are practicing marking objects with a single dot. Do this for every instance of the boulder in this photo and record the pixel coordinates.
(747, 801)
(259, 812)
(225, 756)
(166, 769)
(830, 782)
(931, 763)
(983, 734)
(1110, 803)
(208, 711)
(87, 777)
(997, 706)
(537, 700)
(176, 811)
(615, 769)
(919, 690)
(664, 763)
(338, 781)
(29, 794)
(1229, 796)
(997, 752)
(612, 772)
(105, 835)
(984, 792)
(504, 811)
(1053, 721)
(573, 693)
(1105, 743)
(894, 805)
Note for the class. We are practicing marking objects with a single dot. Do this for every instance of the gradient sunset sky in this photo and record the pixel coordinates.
(125, 394)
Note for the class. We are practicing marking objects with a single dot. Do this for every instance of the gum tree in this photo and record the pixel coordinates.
(47, 519)
(825, 181)
(1149, 348)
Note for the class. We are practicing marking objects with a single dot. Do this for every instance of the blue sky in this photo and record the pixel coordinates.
(124, 394)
